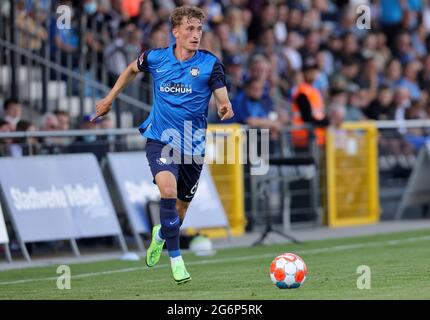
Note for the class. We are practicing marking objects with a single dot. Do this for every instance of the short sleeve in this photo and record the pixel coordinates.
(142, 61)
(217, 79)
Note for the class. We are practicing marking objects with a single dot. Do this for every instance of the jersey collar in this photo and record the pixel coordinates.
(175, 60)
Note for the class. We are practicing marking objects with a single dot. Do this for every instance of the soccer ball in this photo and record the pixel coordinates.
(288, 271)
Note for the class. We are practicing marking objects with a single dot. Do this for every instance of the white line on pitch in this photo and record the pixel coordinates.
(213, 261)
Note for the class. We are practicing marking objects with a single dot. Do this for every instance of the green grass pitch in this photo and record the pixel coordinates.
(399, 264)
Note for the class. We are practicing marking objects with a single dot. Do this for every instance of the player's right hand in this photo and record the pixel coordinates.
(102, 108)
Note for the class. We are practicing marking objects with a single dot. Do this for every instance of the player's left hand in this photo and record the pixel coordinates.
(225, 112)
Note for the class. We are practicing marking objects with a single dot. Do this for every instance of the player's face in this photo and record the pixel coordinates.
(189, 33)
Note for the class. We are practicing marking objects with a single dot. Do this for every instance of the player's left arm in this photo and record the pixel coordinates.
(225, 110)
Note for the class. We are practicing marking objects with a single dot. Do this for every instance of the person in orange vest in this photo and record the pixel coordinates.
(308, 108)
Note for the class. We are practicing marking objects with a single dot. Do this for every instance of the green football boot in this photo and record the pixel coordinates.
(153, 253)
(180, 273)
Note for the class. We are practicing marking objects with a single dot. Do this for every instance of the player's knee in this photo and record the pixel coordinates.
(168, 192)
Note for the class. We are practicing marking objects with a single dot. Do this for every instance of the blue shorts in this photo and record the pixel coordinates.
(187, 172)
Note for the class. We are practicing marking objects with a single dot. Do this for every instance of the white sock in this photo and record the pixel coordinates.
(175, 259)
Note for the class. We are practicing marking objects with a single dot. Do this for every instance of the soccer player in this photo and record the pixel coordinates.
(184, 79)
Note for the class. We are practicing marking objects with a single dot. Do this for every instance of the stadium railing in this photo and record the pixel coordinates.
(397, 152)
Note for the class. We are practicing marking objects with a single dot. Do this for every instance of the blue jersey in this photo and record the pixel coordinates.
(182, 91)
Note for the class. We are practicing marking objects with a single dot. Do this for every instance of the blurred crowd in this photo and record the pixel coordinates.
(379, 72)
(59, 120)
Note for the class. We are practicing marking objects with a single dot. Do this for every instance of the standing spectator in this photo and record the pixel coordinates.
(132, 7)
(147, 19)
(31, 32)
(116, 15)
(391, 18)
(66, 40)
(238, 35)
(308, 108)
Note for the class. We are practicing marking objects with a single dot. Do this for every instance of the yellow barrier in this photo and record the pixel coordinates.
(352, 175)
(228, 178)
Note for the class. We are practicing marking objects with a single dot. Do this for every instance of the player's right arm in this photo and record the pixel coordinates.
(127, 76)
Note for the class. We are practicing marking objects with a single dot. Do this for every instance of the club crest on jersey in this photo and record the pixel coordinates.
(195, 71)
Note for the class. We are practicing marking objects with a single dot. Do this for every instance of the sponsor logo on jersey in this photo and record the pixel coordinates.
(176, 88)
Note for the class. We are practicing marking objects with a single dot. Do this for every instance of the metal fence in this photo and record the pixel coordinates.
(303, 194)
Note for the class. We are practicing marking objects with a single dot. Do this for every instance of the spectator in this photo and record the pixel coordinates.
(347, 75)
(291, 52)
(404, 51)
(409, 80)
(49, 122)
(238, 36)
(96, 38)
(424, 74)
(5, 143)
(24, 146)
(63, 118)
(259, 68)
(350, 48)
(391, 18)
(31, 32)
(249, 109)
(337, 114)
(159, 37)
(133, 7)
(382, 108)
(234, 74)
(210, 42)
(393, 74)
(116, 15)
(115, 54)
(146, 20)
(402, 101)
(89, 142)
(308, 108)
(369, 77)
(12, 111)
(357, 102)
(311, 45)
